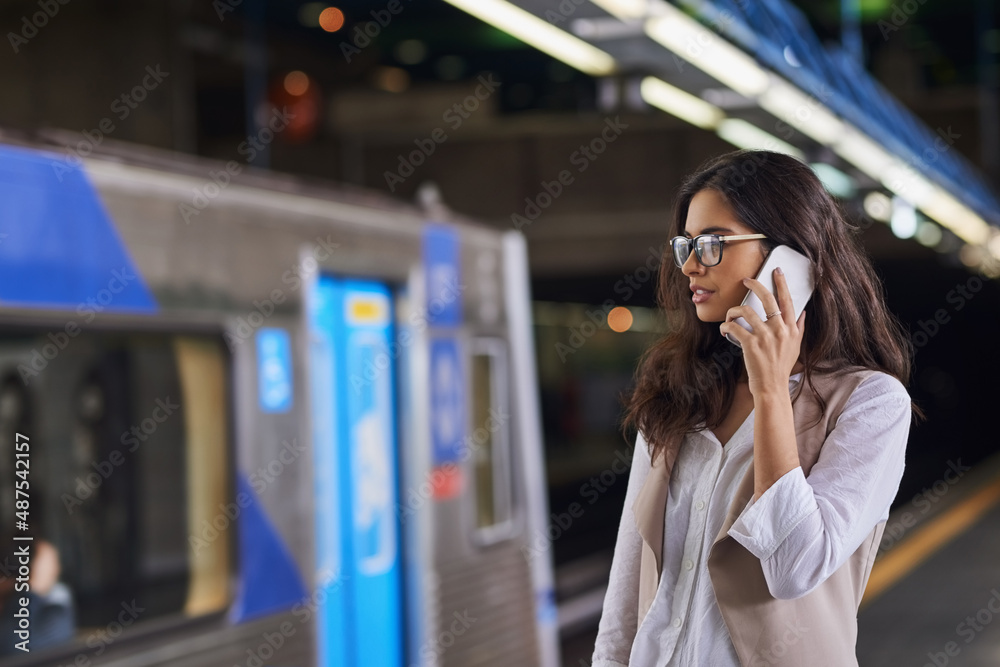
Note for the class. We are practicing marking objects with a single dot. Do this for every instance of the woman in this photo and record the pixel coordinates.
(762, 476)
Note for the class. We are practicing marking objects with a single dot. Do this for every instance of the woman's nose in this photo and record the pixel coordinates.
(691, 264)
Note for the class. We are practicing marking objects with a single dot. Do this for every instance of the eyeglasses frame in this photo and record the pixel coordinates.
(722, 245)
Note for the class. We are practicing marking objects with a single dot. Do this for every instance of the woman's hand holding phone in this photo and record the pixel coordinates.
(771, 350)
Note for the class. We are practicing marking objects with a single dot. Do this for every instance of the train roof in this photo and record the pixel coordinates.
(119, 160)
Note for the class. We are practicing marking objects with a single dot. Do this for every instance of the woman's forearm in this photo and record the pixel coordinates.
(774, 448)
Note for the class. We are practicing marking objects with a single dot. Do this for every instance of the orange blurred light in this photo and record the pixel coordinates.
(392, 79)
(299, 95)
(331, 19)
(296, 83)
(620, 319)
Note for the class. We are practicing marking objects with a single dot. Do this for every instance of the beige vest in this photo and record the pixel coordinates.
(819, 628)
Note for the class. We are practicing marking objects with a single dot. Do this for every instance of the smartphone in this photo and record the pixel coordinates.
(798, 271)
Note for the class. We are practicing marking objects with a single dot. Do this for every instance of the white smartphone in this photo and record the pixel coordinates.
(798, 271)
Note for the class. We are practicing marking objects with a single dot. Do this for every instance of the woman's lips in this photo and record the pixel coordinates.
(701, 298)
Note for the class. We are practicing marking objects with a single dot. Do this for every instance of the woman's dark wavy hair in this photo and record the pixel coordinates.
(690, 375)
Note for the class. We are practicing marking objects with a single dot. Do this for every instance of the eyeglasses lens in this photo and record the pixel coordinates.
(707, 248)
(682, 249)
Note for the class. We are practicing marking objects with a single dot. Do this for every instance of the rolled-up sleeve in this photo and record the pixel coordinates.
(804, 528)
(619, 618)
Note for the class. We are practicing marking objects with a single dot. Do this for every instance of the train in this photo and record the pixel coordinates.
(267, 420)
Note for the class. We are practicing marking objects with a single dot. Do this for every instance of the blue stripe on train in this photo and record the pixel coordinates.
(58, 247)
(269, 579)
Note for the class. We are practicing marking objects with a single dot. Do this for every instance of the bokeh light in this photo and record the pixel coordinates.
(391, 79)
(410, 51)
(331, 19)
(296, 83)
(620, 319)
(309, 13)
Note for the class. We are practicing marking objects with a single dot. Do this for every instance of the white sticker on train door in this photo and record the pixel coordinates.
(373, 514)
(374, 517)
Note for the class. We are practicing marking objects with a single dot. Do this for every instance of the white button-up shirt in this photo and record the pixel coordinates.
(801, 529)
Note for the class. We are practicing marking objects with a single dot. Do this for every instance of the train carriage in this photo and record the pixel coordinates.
(270, 422)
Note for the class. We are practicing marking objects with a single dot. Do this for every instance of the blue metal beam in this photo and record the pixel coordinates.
(845, 87)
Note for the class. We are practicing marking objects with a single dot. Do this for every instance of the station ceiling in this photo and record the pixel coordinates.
(421, 53)
(385, 78)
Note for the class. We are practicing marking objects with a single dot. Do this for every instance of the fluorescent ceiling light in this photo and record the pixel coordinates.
(540, 34)
(679, 103)
(863, 153)
(803, 112)
(933, 200)
(744, 135)
(624, 9)
(993, 245)
(956, 216)
(834, 180)
(904, 181)
(707, 51)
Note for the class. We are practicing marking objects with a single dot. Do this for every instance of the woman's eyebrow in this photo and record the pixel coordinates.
(708, 230)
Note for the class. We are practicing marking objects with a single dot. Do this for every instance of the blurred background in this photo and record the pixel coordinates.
(571, 122)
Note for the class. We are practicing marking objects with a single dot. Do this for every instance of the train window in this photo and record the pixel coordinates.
(489, 433)
(129, 437)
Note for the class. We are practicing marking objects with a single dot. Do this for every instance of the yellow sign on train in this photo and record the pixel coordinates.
(367, 309)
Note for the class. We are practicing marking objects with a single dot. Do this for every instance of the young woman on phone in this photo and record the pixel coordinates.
(762, 474)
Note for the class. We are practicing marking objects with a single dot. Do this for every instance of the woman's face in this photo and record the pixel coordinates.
(709, 213)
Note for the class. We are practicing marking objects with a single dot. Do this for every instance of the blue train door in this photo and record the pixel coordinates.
(359, 618)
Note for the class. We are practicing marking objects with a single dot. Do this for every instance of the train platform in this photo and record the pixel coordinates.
(934, 594)
(933, 598)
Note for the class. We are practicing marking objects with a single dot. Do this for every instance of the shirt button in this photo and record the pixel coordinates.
(677, 622)
(700, 505)
(688, 564)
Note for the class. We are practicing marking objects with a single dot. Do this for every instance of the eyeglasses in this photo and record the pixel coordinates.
(707, 247)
